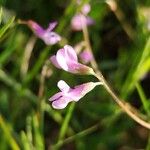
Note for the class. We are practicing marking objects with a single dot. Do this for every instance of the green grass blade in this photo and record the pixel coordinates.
(5, 54)
(6, 26)
(8, 80)
(39, 141)
(1, 13)
(144, 100)
(7, 134)
(25, 142)
(65, 123)
(137, 72)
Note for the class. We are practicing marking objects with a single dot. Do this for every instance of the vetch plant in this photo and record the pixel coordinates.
(67, 60)
(61, 99)
(126, 107)
(52, 86)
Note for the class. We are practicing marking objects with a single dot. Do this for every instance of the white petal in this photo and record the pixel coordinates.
(70, 53)
(61, 59)
(56, 96)
(63, 86)
(54, 61)
(60, 104)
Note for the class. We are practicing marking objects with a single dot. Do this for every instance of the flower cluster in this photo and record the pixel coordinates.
(67, 60)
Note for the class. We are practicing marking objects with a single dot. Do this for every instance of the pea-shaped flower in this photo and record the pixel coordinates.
(61, 99)
(47, 35)
(86, 56)
(76, 22)
(66, 59)
(82, 18)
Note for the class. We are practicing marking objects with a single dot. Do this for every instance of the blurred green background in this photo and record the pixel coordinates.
(121, 44)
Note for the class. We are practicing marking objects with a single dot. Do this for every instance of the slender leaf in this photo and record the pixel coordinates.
(6, 26)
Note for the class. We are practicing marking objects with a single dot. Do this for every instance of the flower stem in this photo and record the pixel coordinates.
(126, 107)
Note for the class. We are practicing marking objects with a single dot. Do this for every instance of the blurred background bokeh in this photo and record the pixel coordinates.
(120, 40)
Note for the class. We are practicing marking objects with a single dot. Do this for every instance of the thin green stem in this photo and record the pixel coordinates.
(126, 107)
(65, 124)
(143, 98)
(78, 135)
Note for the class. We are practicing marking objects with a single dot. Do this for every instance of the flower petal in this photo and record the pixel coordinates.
(50, 38)
(89, 21)
(63, 86)
(36, 28)
(51, 26)
(81, 90)
(60, 103)
(86, 56)
(79, 68)
(76, 23)
(56, 96)
(70, 53)
(54, 61)
(61, 59)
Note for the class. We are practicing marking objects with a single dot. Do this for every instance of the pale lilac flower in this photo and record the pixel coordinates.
(61, 99)
(76, 22)
(47, 35)
(79, 19)
(86, 56)
(66, 59)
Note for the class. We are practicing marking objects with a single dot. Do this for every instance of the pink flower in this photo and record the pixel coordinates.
(76, 22)
(66, 59)
(86, 56)
(46, 35)
(61, 99)
(79, 19)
